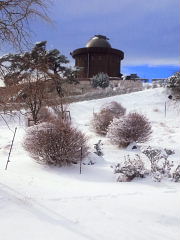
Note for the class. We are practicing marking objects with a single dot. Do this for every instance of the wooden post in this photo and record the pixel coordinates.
(69, 114)
(80, 169)
(11, 148)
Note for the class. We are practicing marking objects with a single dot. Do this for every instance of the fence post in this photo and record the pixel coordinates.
(80, 169)
(11, 148)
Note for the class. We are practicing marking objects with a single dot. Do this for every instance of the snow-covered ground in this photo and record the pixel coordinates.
(1, 83)
(43, 203)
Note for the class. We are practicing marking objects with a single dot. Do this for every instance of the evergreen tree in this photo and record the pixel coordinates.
(100, 80)
(36, 67)
(173, 83)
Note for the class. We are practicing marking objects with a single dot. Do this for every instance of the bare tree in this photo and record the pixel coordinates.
(15, 16)
(33, 95)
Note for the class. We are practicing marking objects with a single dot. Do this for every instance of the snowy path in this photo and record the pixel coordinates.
(37, 211)
(128, 215)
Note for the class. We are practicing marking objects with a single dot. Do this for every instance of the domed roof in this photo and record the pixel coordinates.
(98, 41)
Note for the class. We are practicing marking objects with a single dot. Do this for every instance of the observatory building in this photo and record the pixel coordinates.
(98, 56)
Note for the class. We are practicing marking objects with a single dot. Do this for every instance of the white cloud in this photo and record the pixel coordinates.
(151, 61)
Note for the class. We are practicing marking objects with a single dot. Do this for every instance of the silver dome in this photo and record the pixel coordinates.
(98, 41)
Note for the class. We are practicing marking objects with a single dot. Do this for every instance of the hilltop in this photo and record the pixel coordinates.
(41, 202)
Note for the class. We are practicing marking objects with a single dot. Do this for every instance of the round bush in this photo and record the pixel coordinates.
(102, 119)
(56, 143)
(115, 108)
(134, 127)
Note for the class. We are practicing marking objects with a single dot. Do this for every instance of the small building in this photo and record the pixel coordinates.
(98, 56)
(135, 77)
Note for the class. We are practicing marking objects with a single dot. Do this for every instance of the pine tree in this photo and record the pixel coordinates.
(33, 69)
(173, 83)
(100, 80)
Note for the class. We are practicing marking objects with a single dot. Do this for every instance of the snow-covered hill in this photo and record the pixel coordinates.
(42, 203)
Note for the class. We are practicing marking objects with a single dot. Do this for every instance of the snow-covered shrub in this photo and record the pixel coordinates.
(161, 169)
(176, 174)
(115, 108)
(160, 165)
(130, 169)
(100, 80)
(102, 119)
(148, 86)
(61, 111)
(98, 148)
(169, 151)
(134, 127)
(55, 143)
(154, 85)
(44, 115)
(173, 83)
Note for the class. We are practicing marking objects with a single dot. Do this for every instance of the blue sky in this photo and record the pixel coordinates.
(148, 31)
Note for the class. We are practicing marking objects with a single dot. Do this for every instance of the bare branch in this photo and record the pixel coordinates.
(15, 19)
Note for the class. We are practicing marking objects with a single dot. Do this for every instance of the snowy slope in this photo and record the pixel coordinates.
(38, 202)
